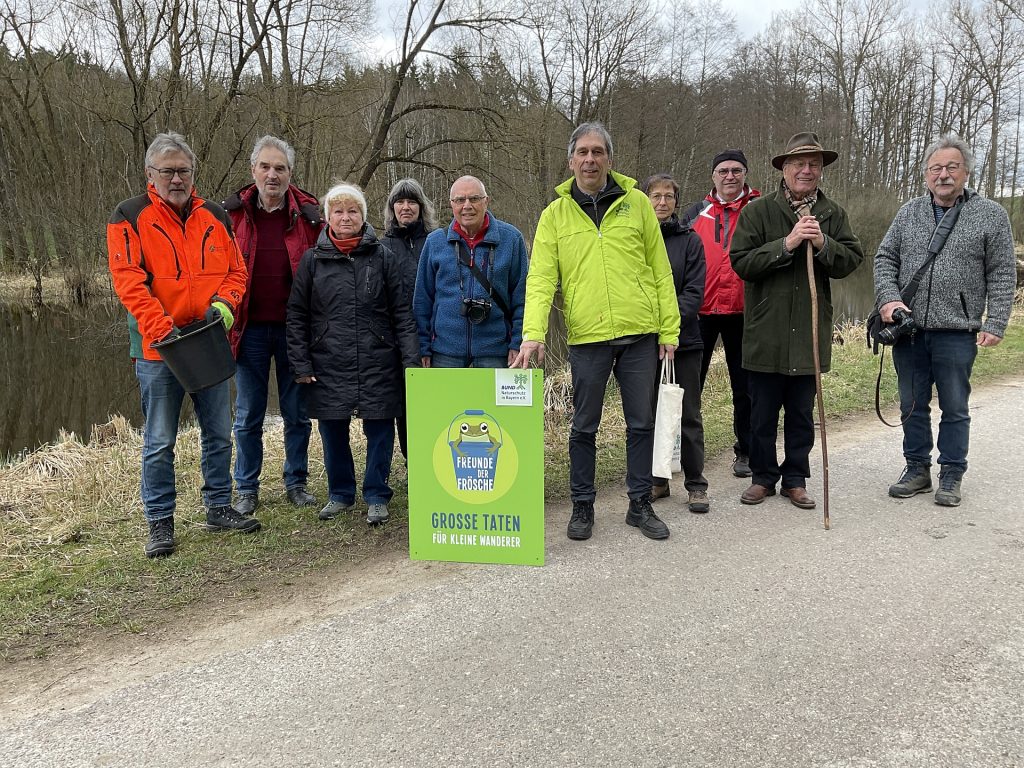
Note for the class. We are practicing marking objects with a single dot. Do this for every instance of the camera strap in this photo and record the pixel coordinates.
(481, 278)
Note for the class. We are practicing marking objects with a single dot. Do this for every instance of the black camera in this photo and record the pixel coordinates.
(475, 310)
(902, 325)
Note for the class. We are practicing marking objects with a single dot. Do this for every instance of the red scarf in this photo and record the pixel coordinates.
(473, 241)
(347, 245)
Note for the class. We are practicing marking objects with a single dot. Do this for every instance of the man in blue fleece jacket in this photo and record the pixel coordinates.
(471, 286)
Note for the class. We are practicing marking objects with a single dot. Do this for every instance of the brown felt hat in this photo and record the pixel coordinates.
(805, 143)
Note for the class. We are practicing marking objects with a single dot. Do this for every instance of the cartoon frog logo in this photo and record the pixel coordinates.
(474, 428)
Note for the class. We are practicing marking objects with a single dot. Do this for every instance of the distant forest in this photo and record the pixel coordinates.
(488, 88)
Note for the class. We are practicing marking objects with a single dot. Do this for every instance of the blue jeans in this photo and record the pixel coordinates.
(635, 367)
(341, 469)
(943, 359)
(162, 397)
(260, 343)
(450, 361)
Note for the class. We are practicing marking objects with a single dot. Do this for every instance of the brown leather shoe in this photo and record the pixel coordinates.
(755, 494)
(660, 492)
(799, 497)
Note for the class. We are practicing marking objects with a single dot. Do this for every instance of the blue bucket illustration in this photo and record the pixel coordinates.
(475, 440)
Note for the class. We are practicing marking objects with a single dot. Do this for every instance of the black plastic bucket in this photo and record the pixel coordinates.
(200, 357)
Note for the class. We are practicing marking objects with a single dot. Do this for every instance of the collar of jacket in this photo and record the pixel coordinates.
(674, 226)
(401, 231)
(822, 209)
(967, 195)
(745, 197)
(296, 200)
(194, 203)
(490, 234)
(625, 184)
(325, 248)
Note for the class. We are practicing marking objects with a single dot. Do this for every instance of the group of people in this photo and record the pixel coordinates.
(342, 312)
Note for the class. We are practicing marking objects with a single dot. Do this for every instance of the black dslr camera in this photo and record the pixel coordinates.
(902, 325)
(475, 310)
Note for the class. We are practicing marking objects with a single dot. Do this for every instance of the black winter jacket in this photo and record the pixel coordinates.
(686, 255)
(350, 326)
(406, 243)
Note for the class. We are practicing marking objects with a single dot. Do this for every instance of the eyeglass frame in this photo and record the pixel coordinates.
(725, 173)
(950, 168)
(471, 199)
(168, 174)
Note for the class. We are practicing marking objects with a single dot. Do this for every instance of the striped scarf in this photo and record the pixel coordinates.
(802, 207)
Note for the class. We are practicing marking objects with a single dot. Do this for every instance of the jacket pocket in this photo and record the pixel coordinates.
(318, 334)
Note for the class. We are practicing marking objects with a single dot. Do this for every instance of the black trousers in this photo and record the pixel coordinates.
(769, 394)
(634, 366)
(730, 328)
(691, 443)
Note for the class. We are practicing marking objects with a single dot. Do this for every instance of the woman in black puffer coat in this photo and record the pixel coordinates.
(350, 336)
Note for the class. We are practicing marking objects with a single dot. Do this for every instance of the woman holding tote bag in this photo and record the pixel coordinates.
(686, 255)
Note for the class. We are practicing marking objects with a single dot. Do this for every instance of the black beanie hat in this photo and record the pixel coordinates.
(730, 154)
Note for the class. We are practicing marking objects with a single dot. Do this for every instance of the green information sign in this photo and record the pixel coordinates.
(476, 465)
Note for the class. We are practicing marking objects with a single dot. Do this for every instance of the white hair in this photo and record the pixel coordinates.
(341, 192)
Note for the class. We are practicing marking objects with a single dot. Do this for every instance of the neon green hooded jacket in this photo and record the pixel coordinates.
(616, 281)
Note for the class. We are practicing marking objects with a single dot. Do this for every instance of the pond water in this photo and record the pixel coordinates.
(62, 368)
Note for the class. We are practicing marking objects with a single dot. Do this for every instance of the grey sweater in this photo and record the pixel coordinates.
(972, 278)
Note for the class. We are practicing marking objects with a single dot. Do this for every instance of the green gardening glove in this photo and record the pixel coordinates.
(226, 316)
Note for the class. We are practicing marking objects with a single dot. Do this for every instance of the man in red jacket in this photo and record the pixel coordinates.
(714, 219)
(173, 261)
(275, 223)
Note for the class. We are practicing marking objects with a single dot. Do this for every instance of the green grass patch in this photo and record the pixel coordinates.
(71, 528)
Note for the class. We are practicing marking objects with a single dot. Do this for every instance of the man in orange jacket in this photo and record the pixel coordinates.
(173, 261)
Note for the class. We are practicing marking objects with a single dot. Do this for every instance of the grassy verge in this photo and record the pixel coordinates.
(71, 531)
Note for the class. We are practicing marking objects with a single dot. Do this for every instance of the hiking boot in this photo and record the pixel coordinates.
(641, 515)
(581, 524)
(247, 503)
(698, 502)
(300, 497)
(755, 494)
(332, 509)
(660, 492)
(916, 478)
(741, 466)
(228, 519)
(377, 514)
(161, 537)
(948, 494)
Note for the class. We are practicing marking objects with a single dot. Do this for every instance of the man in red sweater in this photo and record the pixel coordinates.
(714, 219)
(275, 222)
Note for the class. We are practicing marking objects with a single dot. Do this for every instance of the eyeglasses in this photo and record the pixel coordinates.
(723, 172)
(811, 165)
(667, 197)
(169, 173)
(471, 199)
(951, 168)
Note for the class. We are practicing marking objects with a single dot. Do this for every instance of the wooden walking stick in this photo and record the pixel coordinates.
(806, 211)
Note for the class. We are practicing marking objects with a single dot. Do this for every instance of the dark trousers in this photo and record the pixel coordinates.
(635, 368)
(943, 360)
(341, 469)
(730, 328)
(769, 394)
(691, 442)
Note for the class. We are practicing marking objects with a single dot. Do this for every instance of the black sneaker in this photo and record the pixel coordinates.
(228, 519)
(741, 466)
(916, 478)
(247, 503)
(581, 524)
(948, 494)
(300, 497)
(641, 515)
(161, 537)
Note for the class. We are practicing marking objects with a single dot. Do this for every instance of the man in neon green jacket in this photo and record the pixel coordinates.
(601, 242)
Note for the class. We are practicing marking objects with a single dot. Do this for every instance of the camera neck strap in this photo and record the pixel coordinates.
(939, 237)
(467, 260)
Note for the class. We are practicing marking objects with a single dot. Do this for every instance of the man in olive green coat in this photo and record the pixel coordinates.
(769, 254)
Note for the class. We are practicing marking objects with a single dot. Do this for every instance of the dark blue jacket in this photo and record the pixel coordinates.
(444, 281)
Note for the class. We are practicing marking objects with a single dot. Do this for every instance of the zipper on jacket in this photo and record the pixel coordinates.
(963, 303)
(174, 250)
(202, 250)
(127, 248)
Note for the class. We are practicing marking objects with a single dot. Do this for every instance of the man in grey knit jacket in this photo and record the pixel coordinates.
(963, 302)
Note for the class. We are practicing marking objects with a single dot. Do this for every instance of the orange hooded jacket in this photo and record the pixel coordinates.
(166, 270)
